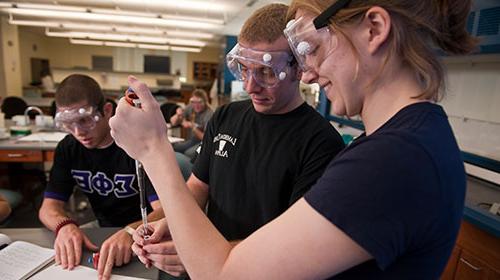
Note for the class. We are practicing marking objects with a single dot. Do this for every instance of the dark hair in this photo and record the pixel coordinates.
(77, 88)
(417, 27)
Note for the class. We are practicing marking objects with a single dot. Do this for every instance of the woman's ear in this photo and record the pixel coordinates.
(377, 22)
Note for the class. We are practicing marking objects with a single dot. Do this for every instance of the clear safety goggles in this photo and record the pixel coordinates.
(308, 44)
(266, 68)
(312, 41)
(84, 118)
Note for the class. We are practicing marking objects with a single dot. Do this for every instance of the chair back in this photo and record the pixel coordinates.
(168, 110)
(13, 105)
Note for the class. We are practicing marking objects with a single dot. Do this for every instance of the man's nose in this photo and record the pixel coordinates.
(251, 86)
(79, 131)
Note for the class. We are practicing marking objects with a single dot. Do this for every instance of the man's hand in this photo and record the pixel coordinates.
(68, 246)
(179, 112)
(115, 251)
(187, 124)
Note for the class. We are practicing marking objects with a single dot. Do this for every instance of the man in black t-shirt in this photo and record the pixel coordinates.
(261, 155)
(90, 159)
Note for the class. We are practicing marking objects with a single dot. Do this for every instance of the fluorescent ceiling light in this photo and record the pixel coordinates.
(188, 5)
(34, 23)
(154, 15)
(183, 49)
(111, 28)
(189, 34)
(153, 47)
(164, 20)
(120, 44)
(125, 37)
(49, 7)
(179, 4)
(86, 42)
(122, 13)
(185, 42)
(132, 45)
(172, 48)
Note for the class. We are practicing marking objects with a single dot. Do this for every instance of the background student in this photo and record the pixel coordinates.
(194, 118)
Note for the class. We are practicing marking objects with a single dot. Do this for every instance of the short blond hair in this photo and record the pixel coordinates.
(265, 24)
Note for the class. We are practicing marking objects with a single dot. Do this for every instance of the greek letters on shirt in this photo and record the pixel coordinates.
(121, 185)
(221, 150)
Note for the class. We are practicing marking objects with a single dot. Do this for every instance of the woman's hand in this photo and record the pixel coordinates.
(139, 130)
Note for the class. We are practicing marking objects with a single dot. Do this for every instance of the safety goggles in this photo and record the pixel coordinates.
(196, 101)
(267, 68)
(84, 118)
(305, 37)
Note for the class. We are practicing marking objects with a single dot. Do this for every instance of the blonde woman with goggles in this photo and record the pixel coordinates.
(388, 206)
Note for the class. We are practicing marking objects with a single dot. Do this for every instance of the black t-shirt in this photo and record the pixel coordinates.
(257, 165)
(107, 176)
(398, 193)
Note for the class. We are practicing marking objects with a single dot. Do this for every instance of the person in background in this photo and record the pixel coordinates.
(89, 158)
(389, 206)
(47, 81)
(5, 209)
(259, 156)
(194, 118)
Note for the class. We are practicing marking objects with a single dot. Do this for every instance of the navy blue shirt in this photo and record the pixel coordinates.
(399, 194)
(106, 176)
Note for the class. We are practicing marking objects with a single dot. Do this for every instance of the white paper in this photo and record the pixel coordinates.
(175, 139)
(55, 272)
(44, 136)
(4, 239)
(21, 258)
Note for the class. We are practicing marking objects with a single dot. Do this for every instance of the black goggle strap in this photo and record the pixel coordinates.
(322, 20)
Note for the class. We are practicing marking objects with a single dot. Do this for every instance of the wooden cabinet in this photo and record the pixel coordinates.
(20, 156)
(205, 71)
(470, 267)
(449, 272)
(475, 256)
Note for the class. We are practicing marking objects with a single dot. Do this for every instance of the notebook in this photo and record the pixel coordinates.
(44, 137)
(55, 272)
(19, 259)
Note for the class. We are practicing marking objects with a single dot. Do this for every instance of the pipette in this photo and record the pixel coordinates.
(133, 100)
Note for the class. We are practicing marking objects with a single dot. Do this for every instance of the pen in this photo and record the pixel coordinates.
(93, 260)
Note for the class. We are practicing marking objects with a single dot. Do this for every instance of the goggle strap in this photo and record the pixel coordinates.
(322, 20)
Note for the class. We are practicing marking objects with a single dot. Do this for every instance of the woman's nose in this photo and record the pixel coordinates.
(309, 76)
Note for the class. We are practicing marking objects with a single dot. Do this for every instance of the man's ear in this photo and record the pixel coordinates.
(108, 109)
(377, 24)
